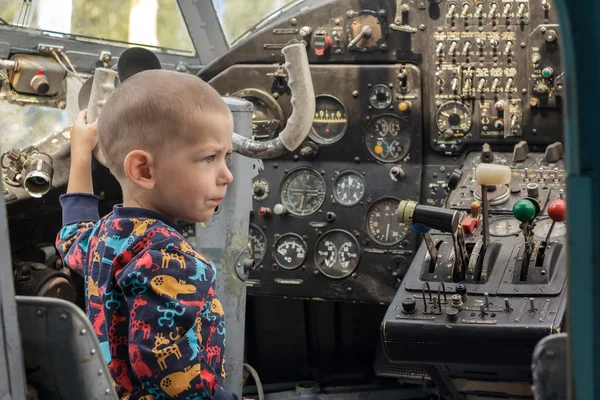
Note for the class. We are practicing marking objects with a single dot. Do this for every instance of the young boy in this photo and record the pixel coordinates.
(150, 296)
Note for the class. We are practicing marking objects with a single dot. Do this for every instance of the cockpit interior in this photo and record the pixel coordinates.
(397, 224)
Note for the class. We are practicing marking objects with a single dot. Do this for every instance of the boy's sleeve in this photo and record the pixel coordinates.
(176, 324)
(80, 213)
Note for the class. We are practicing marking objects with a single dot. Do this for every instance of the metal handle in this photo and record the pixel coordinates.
(303, 108)
(103, 85)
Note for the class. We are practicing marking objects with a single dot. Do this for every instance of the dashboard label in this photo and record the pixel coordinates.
(252, 283)
(479, 321)
(285, 31)
(296, 282)
(317, 224)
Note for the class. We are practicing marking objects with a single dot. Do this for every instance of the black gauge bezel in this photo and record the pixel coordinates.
(285, 235)
(366, 222)
(336, 180)
(404, 127)
(281, 190)
(266, 240)
(320, 139)
(315, 253)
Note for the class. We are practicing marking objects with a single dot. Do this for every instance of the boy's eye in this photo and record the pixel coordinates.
(208, 159)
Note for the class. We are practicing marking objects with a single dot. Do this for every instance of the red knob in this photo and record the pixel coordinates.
(557, 210)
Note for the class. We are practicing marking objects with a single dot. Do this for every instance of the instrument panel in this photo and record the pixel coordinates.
(405, 90)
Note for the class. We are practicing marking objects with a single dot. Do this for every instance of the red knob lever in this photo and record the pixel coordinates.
(557, 210)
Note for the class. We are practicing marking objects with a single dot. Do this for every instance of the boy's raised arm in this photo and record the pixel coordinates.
(80, 205)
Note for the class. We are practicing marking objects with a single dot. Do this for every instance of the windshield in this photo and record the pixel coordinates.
(155, 23)
(238, 16)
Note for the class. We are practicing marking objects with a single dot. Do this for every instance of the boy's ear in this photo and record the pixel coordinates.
(138, 166)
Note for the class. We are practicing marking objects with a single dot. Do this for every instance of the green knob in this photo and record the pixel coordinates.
(524, 210)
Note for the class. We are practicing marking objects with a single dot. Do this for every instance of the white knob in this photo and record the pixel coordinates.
(279, 209)
(492, 174)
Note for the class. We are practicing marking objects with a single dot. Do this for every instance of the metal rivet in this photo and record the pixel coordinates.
(82, 332)
(93, 352)
(107, 391)
(63, 316)
(39, 313)
(99, 372)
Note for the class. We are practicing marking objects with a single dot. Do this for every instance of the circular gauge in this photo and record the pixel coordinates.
(336, 254)
(349, 188)
(330, 122)
(260, 189)
(455, 117)
(380, 97)
(504, 226)
(382, 224)
(258, 244)
(267, 118)
(303, 191)
(543, 226)
(290, 251)
(387, 138)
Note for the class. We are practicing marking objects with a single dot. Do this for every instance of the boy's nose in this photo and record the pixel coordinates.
(226, 176)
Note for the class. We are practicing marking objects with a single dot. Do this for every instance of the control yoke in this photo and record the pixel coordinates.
(298, 125)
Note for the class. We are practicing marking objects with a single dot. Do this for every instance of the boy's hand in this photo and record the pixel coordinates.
(84, 136)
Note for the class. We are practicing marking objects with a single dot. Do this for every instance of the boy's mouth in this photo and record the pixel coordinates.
(216, 201)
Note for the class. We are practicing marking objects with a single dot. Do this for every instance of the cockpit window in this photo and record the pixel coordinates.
(154, 23)
(237, 17)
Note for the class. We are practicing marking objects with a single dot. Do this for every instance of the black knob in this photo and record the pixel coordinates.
(486, 154)
(259, 190)
(452, 314)
(330, 217)
(462, 290)
(455, 179)
(409, 305)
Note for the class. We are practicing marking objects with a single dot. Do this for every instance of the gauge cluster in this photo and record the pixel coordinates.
(404, 92)
(323, 222)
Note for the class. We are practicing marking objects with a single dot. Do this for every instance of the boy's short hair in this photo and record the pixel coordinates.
(151, 111)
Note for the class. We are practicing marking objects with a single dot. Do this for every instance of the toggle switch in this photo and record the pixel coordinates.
(465, 9)
(521, 10)
(509, 83)
(451, 10)
(495, 84)
(506, 10)
(479, 11)
(494, 44)
(481, 44)
(526, 174)
(555, 175)
(507, 306)
(542, 174)
(481, 85)
(454, 84)
(439, 49)
(466, 47)
(508, 48)
(453, 47)
(486, 299)
(493, 9)
(546, 4)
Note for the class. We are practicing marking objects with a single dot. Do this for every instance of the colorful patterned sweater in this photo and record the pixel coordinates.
(151, 300)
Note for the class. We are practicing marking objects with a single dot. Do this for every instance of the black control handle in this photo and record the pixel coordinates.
(411, 213)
